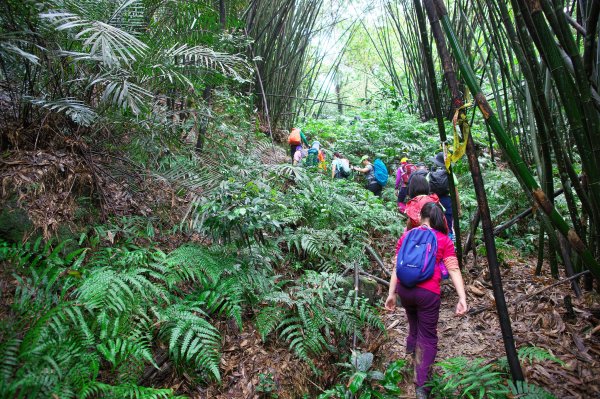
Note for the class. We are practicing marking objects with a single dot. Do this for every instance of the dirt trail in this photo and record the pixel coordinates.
(540, 321)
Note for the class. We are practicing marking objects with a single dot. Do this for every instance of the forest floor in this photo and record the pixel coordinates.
(541, 321)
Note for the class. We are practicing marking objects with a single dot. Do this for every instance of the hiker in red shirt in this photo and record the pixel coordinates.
(418, 192)
(422, 302)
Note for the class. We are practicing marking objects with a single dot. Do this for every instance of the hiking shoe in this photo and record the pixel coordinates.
(421, 393)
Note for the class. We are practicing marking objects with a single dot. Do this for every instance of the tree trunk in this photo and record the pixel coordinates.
(222, 15)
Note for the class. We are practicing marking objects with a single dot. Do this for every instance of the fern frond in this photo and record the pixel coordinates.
(9, 351)
(116, 350)
(130, 391)
(119, 291)
(268, 319)
(192, 339)
(224, 298)
(537, 354)
(195, 263)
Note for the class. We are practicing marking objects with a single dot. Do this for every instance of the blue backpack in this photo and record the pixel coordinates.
(312, 158)
(416, 259)
(380, 171)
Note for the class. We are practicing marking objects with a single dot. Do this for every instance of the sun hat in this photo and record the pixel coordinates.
(364, 158)
(404, 160)
(438, 160)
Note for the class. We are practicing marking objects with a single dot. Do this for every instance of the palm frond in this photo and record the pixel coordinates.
(121, 91)
(76, 110)
(230, 65)
(112, 45)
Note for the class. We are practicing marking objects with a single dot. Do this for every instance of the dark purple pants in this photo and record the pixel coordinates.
(423, 311)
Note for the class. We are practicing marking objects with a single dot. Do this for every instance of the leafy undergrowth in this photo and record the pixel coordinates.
(237, 286)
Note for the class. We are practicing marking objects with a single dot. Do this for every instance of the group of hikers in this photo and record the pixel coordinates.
(306, 154)
(424, 254)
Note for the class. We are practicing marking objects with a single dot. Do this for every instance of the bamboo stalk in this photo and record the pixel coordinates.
(456, 102)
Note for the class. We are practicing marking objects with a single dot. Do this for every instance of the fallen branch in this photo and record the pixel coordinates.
(378, 260)
(499, 229)
(379, 280)
(473, 312)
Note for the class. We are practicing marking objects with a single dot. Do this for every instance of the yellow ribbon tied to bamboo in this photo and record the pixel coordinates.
(459, 147)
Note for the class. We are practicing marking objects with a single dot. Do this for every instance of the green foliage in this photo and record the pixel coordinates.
(315, 316)
(288, 213)
(192, 339)
(464, 378)
(531, 354)
(524, 390)
(365, 383)
(389, 135)
(267, 386)
(82, 322)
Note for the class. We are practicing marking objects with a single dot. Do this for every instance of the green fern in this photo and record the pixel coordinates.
(531, 354)
(268, 319)
(313, 317)
(224, 298)
(537, 354)
(524, 390)
(119, 291)
(193, 263)
(192, 339)
(470, 379)
(131, 391)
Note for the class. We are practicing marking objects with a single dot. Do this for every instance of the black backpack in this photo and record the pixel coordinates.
(438, 182)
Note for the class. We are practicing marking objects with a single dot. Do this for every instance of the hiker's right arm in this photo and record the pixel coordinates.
(390, 302)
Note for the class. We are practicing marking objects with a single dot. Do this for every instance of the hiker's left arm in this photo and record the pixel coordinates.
(361, 170)
(459, 285)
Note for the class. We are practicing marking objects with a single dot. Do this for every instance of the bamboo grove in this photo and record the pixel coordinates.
(536, 59)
